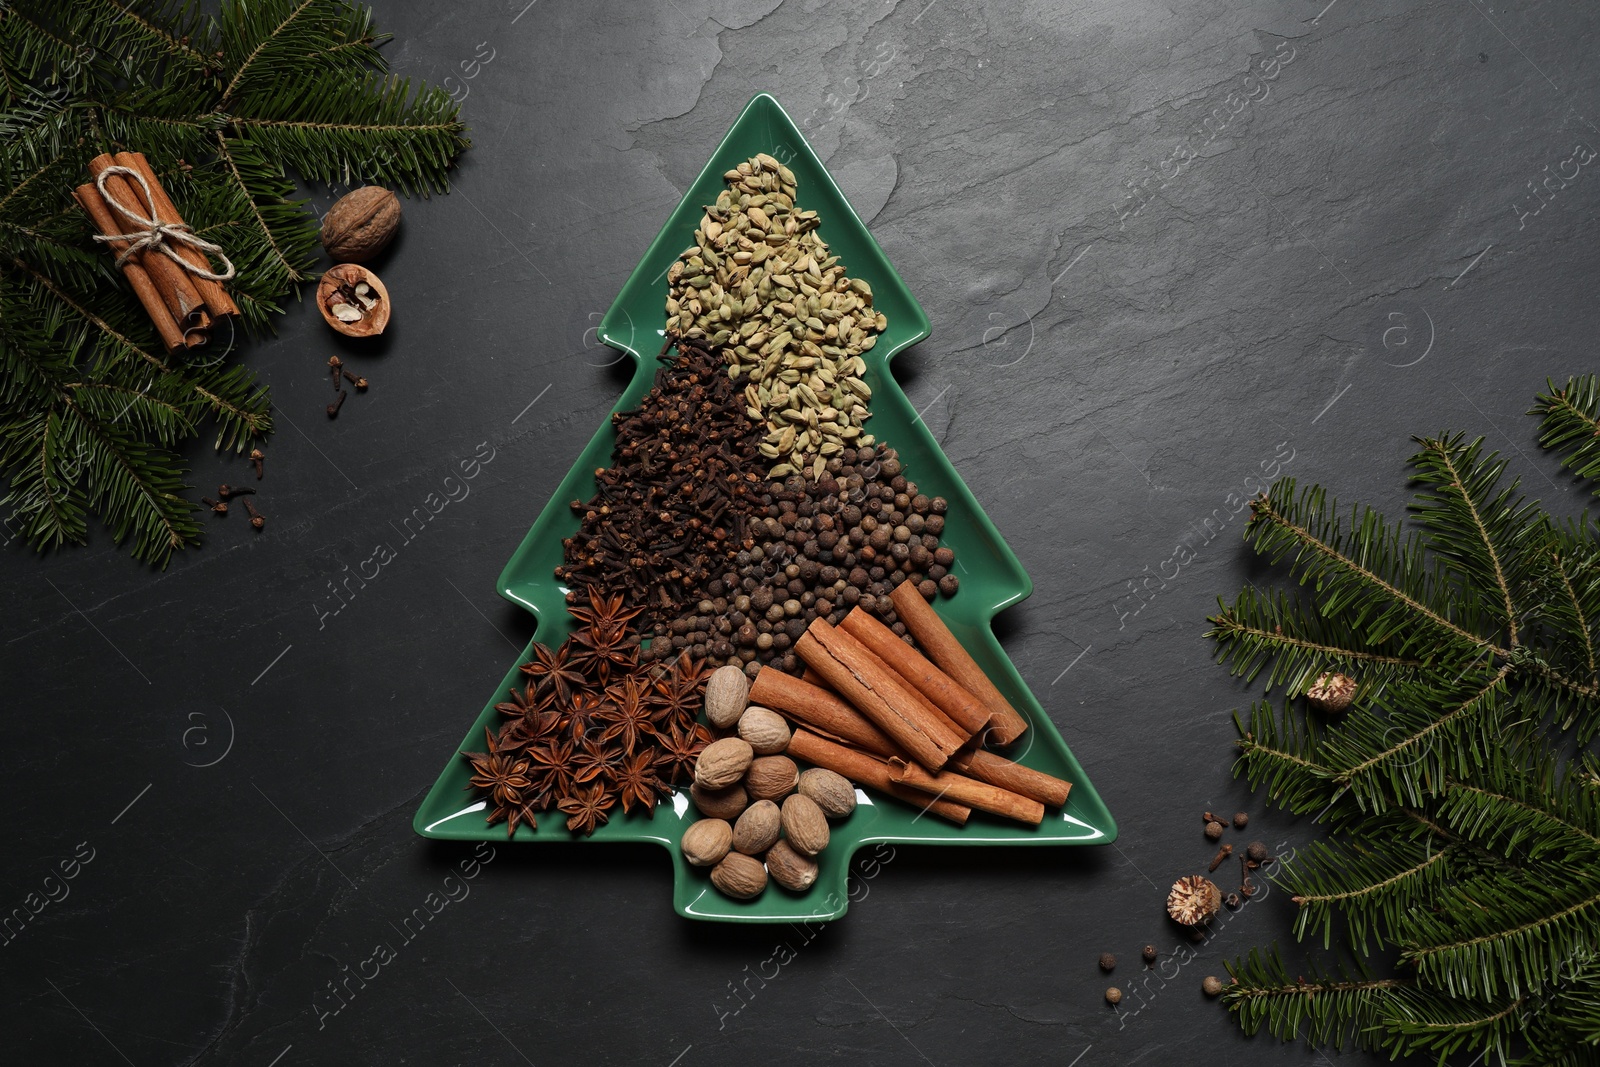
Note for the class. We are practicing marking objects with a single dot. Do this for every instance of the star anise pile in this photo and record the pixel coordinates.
(591, 729)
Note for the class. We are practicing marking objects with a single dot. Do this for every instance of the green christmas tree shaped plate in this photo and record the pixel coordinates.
(991, 576)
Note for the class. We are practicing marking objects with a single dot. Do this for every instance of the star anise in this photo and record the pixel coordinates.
(601, 655)
(603, 613)
(637, 784)
(552, 673)
(674, 703)
(552, 761)
(592, 761)
(680, 747)
(505, 778)
(588, 808)
(584, 712)
(628, 719)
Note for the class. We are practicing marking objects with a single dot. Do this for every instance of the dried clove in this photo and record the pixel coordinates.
(333, 408)
(256, 458)
(359, 383)
(226, 491)
(1222, 853)
(256, 518)
(334, 363)
(215, 505)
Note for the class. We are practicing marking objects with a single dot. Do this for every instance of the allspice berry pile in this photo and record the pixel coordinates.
(763, 819)
(815, 550)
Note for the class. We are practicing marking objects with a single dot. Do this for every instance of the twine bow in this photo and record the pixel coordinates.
(153, 233)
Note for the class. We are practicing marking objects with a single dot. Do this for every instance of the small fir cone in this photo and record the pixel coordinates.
(1193, 900)
(1331, 692)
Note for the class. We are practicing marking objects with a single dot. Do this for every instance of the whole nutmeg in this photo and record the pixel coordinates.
(361, 224)
(722, 763)
(727, 693)
(1331, 692)
(706, 841)
(757, 828)
(804, 825)
(739, 876)
(1193, 900)
(726, 803)
(766, 730)
(353, 300)
(771, 777)
(832, 792)
(790, 869)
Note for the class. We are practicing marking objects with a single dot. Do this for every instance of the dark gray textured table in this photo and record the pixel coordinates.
(1164, 248)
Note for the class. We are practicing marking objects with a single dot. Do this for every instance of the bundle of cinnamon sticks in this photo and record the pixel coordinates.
(182, 303)
(911, 725)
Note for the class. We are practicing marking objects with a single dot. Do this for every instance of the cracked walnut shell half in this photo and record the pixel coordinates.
(353, 300)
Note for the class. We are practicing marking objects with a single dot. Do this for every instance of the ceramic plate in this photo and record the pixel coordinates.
(991, 577)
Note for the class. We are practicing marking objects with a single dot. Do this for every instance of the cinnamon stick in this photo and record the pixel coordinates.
(968, 791)
(985, 766)
(964, 709)
(143, 288)
(215, 297)
(875, 690)
(171, 280)
(945, 651)
(819, 709)
(870, 771)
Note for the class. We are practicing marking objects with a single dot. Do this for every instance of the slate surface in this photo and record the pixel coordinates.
(1135, 313)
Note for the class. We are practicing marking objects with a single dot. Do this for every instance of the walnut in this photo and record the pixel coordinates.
(361, 224)
(1331, 692)
(1193, 900)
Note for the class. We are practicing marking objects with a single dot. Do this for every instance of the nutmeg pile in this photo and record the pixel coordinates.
(763, 818)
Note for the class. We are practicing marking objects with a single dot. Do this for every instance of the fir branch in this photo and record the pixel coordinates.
(164, 38)
(1462, 840)
(244, 67)
(1319, 547)
(1570, 419)
(1482, 533)
(289, 269)
(1297, 642)
(90, 412)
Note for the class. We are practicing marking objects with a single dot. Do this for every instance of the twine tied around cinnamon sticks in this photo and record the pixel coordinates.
(162, 259)
(155, 233)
